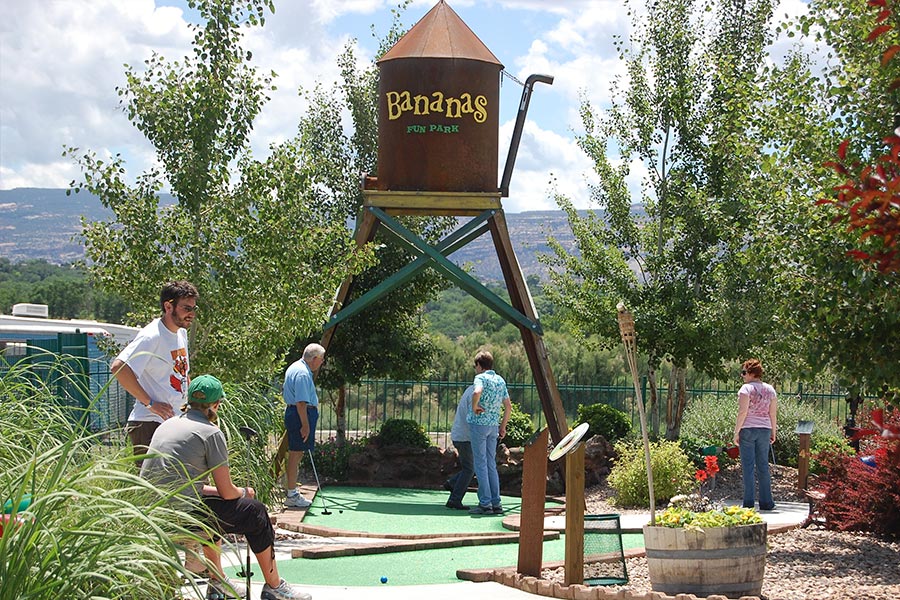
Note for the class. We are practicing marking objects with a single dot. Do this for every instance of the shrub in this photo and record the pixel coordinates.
(729, 516)
(710, 421)
(826, 446)
(90, 513)
(603, 419)
(333, 460)
(859, 497)
(673, 473)
(787, 443)
(403, 432)
(519, 428)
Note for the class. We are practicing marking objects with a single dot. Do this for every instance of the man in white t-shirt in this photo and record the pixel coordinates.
(154, 366)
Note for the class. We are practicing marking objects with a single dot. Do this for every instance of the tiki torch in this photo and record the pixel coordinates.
(629, 339)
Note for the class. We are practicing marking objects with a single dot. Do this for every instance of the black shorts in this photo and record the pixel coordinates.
(245, 516)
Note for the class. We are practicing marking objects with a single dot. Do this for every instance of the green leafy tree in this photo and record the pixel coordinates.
(676, 255)
(264, 241)
(64, 289)
(836, 312)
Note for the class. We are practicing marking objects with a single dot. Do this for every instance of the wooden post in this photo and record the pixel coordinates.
(534, 489)
(803, 463)
(521, 300)
(575, 507)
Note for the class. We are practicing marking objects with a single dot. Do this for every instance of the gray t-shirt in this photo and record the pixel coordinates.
(187, 446)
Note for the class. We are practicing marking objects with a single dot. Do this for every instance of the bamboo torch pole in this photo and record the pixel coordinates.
(629, 339)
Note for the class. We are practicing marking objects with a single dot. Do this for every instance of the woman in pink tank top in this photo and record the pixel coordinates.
(754, 433)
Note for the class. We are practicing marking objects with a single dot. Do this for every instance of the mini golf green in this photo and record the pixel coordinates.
(405, 511)
(401, 511)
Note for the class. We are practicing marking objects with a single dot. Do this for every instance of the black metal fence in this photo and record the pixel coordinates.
(432, 404)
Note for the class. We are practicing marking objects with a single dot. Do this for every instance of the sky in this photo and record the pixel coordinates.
(62, 60)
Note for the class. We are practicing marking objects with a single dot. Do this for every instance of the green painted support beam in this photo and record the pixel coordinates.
(456, 240)
(456, 274)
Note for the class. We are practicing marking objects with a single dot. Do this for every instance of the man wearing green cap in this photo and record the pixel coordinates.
(186, 448)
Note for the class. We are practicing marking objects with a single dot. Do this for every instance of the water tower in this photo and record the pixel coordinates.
(438, 129)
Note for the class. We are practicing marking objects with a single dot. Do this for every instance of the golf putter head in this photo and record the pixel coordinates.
(248, 432)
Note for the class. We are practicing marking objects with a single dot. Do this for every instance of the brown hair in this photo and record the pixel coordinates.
(203, 407)
(753, 366)
(485, 360)
(176, 290)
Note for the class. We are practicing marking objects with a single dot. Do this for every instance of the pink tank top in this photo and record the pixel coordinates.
(761, 397)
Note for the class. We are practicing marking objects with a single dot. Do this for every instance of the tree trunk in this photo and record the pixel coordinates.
(340, 409)
(654, 402)
(682, 401)
(671, 408)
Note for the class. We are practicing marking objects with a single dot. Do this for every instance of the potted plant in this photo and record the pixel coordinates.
(701, 549)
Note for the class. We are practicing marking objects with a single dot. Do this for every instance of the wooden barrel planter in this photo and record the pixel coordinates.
(730, 561)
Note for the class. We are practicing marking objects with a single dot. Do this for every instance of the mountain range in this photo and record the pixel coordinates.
(38, 223)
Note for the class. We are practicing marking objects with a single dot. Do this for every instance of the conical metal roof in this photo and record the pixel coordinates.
(440, 34)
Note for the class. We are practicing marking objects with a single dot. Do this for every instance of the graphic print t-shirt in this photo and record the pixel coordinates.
(159, 359)
(761, 396)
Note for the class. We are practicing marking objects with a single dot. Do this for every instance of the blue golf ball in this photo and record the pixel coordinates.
(383, 579)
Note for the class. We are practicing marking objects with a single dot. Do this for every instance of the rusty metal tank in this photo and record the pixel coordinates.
(438, 109)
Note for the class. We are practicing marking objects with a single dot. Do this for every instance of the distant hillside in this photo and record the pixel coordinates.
(45, 223)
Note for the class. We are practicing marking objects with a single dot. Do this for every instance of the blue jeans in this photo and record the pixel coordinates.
(484, 450)
(461, 480)
(754, 445)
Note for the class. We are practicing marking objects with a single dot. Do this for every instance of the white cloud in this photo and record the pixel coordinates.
(62, 61)
(547, 162)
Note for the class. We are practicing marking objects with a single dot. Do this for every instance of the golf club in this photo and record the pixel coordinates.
(325, 510)
(249, 434)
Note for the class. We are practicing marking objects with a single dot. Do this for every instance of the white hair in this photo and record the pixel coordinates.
(313, 351)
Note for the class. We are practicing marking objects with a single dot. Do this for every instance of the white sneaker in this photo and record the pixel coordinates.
(230, 588)
(296, 501)
(284, 591)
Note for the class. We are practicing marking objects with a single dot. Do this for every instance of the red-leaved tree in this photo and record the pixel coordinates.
(870, 196)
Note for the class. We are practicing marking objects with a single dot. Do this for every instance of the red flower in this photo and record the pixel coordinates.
(712, 465)
(700, 475)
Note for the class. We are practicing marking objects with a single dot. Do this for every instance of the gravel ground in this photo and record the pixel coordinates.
(802, 564)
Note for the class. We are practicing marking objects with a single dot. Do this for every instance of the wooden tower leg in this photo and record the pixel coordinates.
(534, 489)
(521, 300)
(575, 516)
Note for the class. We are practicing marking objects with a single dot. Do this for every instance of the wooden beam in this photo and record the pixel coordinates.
(455, 273)
(456, 240)
(574, 561)
(521, 300)
(431, 202)
(534, 490)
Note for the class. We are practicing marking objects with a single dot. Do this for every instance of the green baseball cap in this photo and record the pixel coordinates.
(205, 389)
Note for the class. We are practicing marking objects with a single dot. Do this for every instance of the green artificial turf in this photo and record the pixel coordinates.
(406, 511)
(421, 567)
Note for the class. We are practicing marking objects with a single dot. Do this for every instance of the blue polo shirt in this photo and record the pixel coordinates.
(299, 385)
